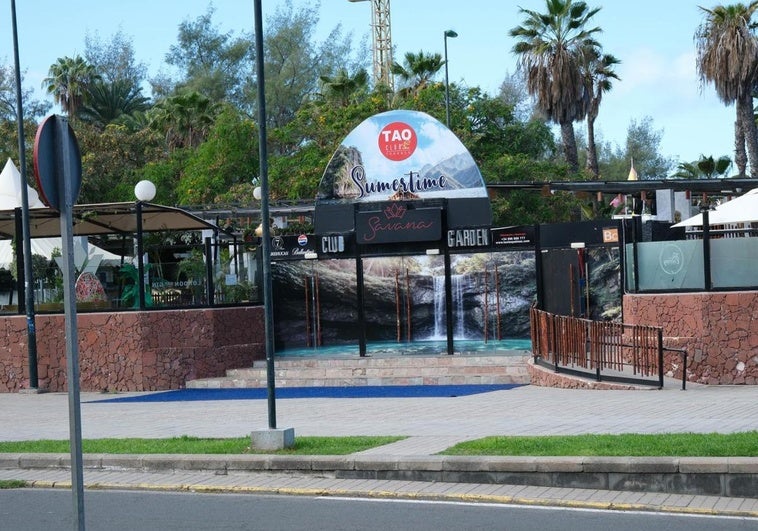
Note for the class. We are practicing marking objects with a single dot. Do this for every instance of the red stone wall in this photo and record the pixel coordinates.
(718, 329)
(133, 351)
(544, 377)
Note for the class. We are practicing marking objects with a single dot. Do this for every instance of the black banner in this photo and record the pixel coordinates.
(397, 223)
(507, 236)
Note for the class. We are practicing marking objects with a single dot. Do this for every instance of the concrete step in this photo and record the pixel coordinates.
(389, 370)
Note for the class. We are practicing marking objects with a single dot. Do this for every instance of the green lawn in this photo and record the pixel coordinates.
(680, 444)
(673, 444)
(196, 445)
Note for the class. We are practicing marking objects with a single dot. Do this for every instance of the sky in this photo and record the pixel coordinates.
(654, 39)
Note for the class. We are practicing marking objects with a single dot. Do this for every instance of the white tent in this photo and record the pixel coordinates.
(10, 189)
(46, 246)
(10, 198)
(743, 209)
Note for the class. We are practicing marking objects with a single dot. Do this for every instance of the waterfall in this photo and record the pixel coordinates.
(458, 284)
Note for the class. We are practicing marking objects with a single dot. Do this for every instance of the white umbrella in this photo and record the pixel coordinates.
(743, 209)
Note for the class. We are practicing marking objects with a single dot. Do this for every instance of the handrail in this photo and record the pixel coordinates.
(585, 347)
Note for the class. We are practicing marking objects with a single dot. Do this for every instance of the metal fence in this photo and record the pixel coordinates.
(603, 350)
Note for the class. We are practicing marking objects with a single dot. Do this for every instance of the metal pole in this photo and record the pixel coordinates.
(449, 304)
(451, 34)
(266, 234)
(447, 89)
(707, 284)
(26, 231)
(72, 338)
(140, 263)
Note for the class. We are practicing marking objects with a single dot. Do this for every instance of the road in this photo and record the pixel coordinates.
(35, 509)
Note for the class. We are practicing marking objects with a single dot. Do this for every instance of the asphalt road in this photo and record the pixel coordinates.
(32, 510)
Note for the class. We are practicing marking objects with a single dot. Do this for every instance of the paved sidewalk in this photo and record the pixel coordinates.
(432, 424)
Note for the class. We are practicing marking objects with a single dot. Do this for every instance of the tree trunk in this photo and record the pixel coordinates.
(740, 155)
(592, 165)
(750, 132)
(569, 146)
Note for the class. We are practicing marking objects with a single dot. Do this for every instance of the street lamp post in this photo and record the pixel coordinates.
(452, 35)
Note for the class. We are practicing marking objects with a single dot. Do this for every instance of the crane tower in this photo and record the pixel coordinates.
(381, 45)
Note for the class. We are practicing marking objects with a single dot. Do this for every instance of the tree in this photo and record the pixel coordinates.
(599, 72)
(32, 107)
(185, 119)
(295, 62)
(214, 64)
(513, 92)
(68, 81)
(417, 70)
(727, 56)
(114, 60)
(343, 87)
(642, 146)
(550, 52)
(227, 158)
(705, 168)
(107, 101)
(113, 159)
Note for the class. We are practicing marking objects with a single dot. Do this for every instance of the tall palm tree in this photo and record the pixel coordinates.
(551, 52)
(599, 72)
(727, 56)
(418, 69)
(68, 81)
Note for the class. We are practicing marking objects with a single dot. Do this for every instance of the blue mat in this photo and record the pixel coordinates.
(379, 391)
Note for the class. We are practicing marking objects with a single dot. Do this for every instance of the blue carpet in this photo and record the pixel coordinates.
(379, 391)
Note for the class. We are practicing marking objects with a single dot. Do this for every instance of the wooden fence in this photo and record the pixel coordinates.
(603, 350)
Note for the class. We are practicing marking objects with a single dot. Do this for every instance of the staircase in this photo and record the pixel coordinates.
(386, 370)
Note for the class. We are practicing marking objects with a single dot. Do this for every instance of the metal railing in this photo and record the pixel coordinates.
(604, 350)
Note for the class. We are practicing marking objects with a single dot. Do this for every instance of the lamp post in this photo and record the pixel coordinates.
(451, 34)
(144, 191)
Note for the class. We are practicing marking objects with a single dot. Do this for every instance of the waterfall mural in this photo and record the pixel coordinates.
(404, 302)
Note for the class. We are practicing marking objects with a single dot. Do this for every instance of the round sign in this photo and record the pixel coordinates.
(397, 141)
(302, 240)
(57, 159)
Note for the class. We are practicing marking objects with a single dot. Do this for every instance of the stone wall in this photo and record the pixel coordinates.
(719, 330)
(133, 351)
(544, 377)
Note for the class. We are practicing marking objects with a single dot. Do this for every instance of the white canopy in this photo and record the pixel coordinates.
(10, 198)
(45, 247)
(10, 189)
(743, 209)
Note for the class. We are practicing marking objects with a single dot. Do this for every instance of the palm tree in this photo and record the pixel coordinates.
(106, 102)
(185, 119)
(727, 56)
(343, 86)
(599, 74)
(68, 81)
(705, 168)
(551, 50)
(417, 70)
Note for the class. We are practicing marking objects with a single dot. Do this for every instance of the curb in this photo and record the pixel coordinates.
(419, 496)
(724, 477)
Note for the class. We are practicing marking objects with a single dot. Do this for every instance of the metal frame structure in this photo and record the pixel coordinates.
(381, 42)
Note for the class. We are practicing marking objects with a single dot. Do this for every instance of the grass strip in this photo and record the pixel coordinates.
(625, 445)
(12, 484)
(197, 445)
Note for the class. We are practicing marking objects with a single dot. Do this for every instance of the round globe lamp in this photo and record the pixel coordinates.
(144, 191)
